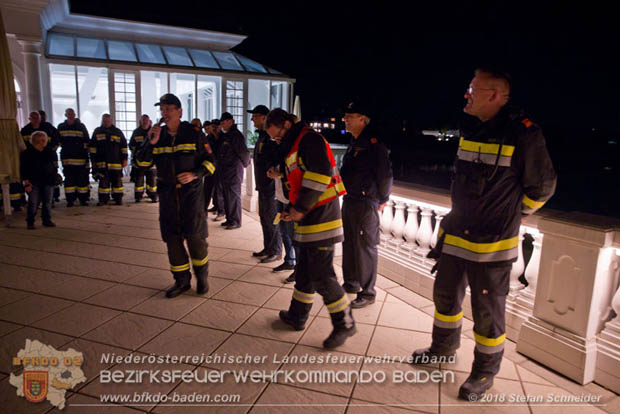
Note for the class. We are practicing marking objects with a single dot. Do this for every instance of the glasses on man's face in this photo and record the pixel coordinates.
(471, 90)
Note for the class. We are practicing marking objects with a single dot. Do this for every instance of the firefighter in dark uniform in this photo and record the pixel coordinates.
(108, 154)
(140, 170)
(213, 187)
(367, 176)
(315, 186)
(503, 172)
(232, 157)
(183, 157)
(74, 141)
(265, 150)
(210, 130)
(16, 190)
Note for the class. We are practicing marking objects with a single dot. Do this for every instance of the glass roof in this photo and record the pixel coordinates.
(70, 45)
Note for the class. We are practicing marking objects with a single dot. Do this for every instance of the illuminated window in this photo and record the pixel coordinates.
(234, 102)
(125, 102)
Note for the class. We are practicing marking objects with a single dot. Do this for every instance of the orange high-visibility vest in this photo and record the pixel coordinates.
(295, 174)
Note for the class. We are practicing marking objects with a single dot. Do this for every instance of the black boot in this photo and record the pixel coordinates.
(344, 327)
(297, 314)
(475, 386)
(425, 356)
(202, 284)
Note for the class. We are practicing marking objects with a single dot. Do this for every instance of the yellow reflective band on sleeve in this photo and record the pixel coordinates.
(303, 297)
(162, 150)
(110, 164)
(200, 262)
(144, 164)
(103, 190)
(185, 147)
(69, 133)
(339, 305)
(92, 150)
(482, 247)
(209, 166)
(70, 189)
(100, 164)
(317, 228)
(507, 150)
(535, 205)
(482, 340)
(180, 268)
(449, 318)
(124, 150)
(149, 188)
(141, 188)
(320, 178)
(332, 192)
(16, 196)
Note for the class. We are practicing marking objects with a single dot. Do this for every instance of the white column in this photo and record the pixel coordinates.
(386, 220)
(249, 196)
(31, 49)
(572, 293)
(608, 342)
(411, 227)
(527, 297)
(438, 218)
(518, 266)
(425, 233)
(398, 223)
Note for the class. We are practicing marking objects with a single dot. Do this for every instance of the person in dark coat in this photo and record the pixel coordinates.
(183, 158)
(265, 150)
(38, 172)
(232, 158)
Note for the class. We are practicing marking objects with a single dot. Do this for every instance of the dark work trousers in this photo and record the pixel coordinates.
(315, 272)
(231, 190)
(76, 183)
(57, 193)
(489, 283)
(360, 220)
(111, 182)
(16, 194)
(267, 210)
(180, 260)
(213, 191)
(287, 231)
(40, 193)
(151, 185)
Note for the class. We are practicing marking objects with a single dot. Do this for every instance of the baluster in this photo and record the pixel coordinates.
(518, 266)
(386, 218)
(527, 295)
(425, 233)
(411, 227)
(438, 218)
(398, 223)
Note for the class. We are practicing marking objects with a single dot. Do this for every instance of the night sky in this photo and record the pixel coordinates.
(416, 63)
(413, 61)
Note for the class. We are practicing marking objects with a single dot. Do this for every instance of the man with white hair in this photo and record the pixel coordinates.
(38, 171)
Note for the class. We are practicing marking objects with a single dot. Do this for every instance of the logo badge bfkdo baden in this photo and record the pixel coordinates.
(47, 373)
(35, 385)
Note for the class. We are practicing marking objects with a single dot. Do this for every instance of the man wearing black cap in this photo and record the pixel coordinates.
(233, 156)
(265, 151)
(367, 176)
(182, 156)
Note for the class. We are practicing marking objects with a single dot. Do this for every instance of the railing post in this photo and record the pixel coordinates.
(608, 341)
(386, 222)
(425, 233)
(438, 218)
(570, 294)
(398, 225)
